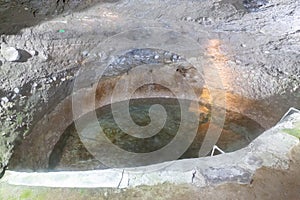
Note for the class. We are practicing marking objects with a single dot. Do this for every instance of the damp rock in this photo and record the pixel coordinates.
(254, 5)
(10, 54)
(33, 53)
(16, 90)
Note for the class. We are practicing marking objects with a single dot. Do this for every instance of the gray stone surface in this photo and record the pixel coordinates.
(10, 53)
(271, 150)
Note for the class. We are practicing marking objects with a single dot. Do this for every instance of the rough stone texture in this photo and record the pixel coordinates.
(31, 12)
(270, 150)
(35, 150)
(258, 52)
(220, 175)
(244, 35)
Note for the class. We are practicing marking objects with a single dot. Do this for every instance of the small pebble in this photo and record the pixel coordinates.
(188, 19)
(262, 31)
(33, 53)
(167, 61)
(16, 90)
(174, 57)
(238, 61)
(44, 56)
(4, 99)
(85, 53)
(10, 54)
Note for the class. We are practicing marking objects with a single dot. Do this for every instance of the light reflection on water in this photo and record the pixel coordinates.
(237, 133)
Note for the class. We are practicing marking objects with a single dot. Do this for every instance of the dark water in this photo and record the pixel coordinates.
(70, 153)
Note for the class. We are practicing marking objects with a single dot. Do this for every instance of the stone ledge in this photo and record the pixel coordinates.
(271, 149)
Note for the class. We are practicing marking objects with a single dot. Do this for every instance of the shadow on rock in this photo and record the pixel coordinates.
(24, 55)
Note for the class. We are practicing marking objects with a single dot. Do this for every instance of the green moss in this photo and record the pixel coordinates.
(26, 194)
(82, 191)
(293, 132)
